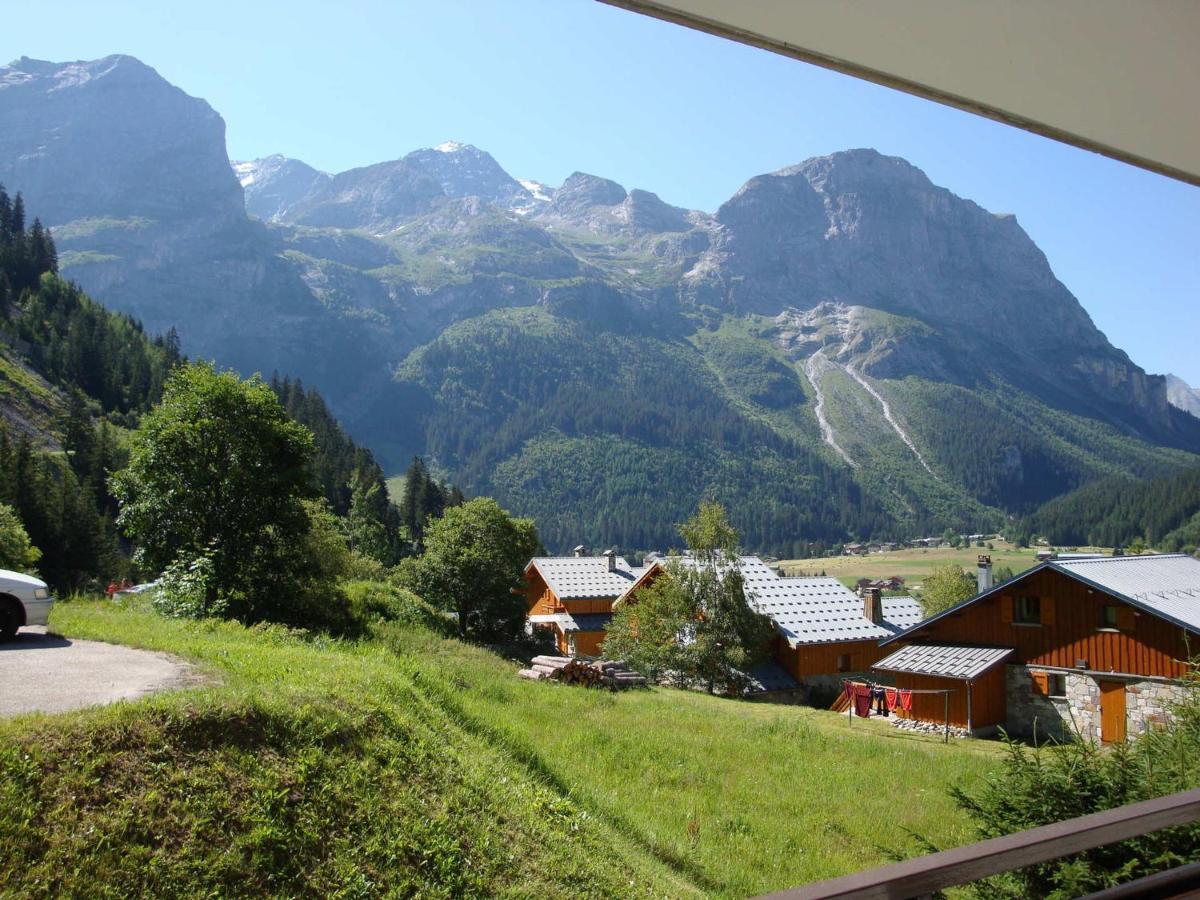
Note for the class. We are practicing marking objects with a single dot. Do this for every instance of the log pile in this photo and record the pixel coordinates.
(614, 674)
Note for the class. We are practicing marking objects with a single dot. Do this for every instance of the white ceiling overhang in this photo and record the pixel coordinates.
(1115, 77)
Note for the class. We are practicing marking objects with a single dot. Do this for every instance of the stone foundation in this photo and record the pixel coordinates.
(1077, 715)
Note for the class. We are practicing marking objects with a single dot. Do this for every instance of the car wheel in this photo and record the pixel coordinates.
(9, 621)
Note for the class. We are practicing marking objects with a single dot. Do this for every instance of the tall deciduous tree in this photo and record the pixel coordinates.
(472, 565)
(217, 469)
(946, 586)
(697, 623)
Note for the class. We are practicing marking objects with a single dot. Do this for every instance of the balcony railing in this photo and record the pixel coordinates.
(925, 874)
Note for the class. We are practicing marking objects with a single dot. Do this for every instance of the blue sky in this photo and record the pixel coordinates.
(553, 86)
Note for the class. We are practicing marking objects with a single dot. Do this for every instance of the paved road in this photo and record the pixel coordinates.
(46, 673)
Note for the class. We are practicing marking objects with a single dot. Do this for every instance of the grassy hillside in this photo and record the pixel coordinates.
(417, 765)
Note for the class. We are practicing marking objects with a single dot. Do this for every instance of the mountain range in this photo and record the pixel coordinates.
(841, 349)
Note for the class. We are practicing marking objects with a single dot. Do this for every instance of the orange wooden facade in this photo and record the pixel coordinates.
(542, 601)
(828, 659)
(1070, 632)
(982, 703)
(1073, 632)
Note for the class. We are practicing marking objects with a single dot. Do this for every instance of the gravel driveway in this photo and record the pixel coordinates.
(47, 673)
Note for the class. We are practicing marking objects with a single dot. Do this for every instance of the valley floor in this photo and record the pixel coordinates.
(913, 565)
(416, 765)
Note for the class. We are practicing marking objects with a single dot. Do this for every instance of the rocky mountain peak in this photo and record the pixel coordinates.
(59, 145)
(1183, 396)
(645, 211)
(581, 191)
(466, 171)
(274, 185)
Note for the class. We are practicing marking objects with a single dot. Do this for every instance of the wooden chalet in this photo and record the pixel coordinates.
(1093, 646)
(824, 630)
(572, 597)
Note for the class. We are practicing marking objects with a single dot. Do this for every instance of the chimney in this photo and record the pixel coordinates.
(983, 578)
(873, 604)
(611, 556)
(581, 550)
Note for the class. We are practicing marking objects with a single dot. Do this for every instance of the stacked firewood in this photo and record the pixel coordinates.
(614, 674)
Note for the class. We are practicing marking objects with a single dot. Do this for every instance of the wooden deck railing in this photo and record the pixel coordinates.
(936, 871)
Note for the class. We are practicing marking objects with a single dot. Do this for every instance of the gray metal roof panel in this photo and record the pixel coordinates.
(1167, 584)
(818, 610)
(588, 621)
(585, 577)
(944, 660)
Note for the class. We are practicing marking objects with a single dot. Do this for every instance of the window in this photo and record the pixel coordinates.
(1056, 685)
(1108, 617)
(844, 662)
(1028, 611)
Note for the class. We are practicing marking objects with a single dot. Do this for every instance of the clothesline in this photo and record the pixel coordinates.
(874, 684)
(860, 695)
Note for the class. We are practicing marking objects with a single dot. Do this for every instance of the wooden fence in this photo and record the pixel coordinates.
(936, 871)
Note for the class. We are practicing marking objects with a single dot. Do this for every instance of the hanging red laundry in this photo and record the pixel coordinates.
(906, 700)
(848, 689)
(892, 697)
(862, 701)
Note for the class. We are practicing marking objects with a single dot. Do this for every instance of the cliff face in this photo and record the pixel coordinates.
(111, 137)
(863, 229)
(860, 326)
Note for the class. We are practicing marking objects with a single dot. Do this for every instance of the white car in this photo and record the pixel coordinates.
(24, 600)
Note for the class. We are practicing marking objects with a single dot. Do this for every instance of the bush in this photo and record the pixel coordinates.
(16, 551)
(374, 602)
(1041, 786)
(183, 587)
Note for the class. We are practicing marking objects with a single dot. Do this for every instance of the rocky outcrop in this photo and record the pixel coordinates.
(275, 186)
(1182, 396)
(111, 138)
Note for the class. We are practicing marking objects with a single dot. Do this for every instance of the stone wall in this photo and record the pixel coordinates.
(1031, 714)
(1147, 703)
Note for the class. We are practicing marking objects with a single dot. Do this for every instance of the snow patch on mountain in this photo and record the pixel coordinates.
(536, 189)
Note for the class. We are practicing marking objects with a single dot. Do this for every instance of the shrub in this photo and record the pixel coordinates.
(16, 551)
(184, 586)
(373, 602)
(1041, 786)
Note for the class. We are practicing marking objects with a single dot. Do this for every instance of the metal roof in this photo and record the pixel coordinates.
(585, 577)
(1166, 584)
(816, 610)
(945, 660)
(572, 622)
(770, 676)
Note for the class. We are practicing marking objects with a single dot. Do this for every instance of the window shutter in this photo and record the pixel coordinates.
(1006, 609)
(1041, 683)
(1126, 621)
(1047, 605)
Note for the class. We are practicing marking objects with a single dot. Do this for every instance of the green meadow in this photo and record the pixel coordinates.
(408, 764)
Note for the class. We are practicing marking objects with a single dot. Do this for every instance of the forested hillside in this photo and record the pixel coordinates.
(1163, 513)
(91, 374)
